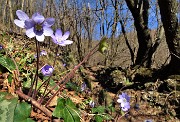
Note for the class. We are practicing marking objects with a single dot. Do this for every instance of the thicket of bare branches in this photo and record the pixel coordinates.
(126, 23)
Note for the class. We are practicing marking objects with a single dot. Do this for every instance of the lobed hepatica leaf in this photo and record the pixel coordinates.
(100, 114)
(98, 118)
(7, 63)
(22, 112)
(7, 106)
(99, 109)
(67, 110)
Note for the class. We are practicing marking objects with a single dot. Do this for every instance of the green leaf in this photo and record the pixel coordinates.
(100, 114)
(106, 116)
(52, 84)
(103, 46)
(101, 117)
(7, 63)
(72, 86)
(7, 107)
(127, 82)
(10, 78)
(98, 118)
(67, 110)
(58, 112)
(111, 107)
(122, 113)
(22, 112)
(99, 109)
(27, 84)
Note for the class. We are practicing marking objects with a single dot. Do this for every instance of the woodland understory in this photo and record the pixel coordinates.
(90, 61)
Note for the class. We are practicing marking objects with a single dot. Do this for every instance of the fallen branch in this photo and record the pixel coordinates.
(34, 103)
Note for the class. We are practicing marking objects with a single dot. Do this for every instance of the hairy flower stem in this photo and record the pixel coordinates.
(70, 75)
(35, 81)
(48, 80)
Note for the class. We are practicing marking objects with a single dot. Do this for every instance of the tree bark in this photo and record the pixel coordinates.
(11, 25)
(4, 16)
(113, 42)
(127, 41)
(139, 10)
(168, 11)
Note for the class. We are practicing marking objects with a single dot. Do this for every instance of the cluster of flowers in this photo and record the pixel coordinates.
(39, 27)
(85, 89)
(124, 101)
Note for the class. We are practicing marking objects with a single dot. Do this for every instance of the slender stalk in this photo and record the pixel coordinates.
(36, 74)
(55, 58)
(36, 81)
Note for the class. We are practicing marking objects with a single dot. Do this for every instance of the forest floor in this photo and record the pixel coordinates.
(152, 99)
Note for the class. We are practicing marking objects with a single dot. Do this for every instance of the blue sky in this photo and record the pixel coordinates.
(109, 11)
(152, 24)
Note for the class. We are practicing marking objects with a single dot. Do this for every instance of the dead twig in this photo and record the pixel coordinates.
(34, 103)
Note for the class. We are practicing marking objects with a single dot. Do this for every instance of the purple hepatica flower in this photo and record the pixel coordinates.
(64, 65)
(1, 47)
(39, 27)
(22, 17)
(123, 98)
(60, 39)
(124, 101)
(83, 86)
(148, 120)
(43, 52)
(125, 106)
(47, 70)
(35, 56)
(92, 104)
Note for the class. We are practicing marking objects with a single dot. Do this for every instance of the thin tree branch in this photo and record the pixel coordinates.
(34, 103)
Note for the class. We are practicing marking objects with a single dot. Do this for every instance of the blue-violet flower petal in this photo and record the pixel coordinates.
(47, 70)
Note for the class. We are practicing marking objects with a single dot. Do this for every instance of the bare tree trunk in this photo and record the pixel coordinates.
(102, 24)
(114, 26)
(30, 6)
(4, 11)
(77, 27)
(10, 14)
(126, 40)
(22, 5)
(139, 10)
(88, 27)
(102, 28)
(169, 10)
